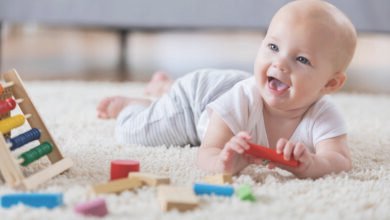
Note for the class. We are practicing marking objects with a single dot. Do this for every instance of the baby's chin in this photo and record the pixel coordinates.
(275, 101)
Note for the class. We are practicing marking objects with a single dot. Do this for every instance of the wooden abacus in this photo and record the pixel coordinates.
(13, 93)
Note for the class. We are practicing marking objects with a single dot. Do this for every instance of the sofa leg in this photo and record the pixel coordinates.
(1, 48)
(123, 73)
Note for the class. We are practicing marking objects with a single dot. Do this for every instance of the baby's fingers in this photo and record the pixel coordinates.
(244, 135)
(301, 153)
(239, 145)
(280, 145)
(226, 154)
(238, 148)
(288, 149)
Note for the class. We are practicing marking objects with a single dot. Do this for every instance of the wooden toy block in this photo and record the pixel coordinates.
(270, 154)
(180, 198)
(244, 192)
(13, 88)
(121, 168)
(96, 207)
(32, 199)
(211, 189)
(219, 179)
(117, 186)
(150, 179)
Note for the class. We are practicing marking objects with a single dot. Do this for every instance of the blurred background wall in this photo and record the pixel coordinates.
(42, 50)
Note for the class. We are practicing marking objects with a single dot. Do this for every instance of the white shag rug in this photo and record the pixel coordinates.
(68, 108)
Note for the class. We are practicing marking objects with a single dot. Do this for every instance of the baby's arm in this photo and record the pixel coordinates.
(221, 150)
(332, 155)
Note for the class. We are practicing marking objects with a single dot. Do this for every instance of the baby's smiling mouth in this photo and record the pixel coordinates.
(277, 85)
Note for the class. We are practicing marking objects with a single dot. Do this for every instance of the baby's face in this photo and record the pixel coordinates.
(294, 62)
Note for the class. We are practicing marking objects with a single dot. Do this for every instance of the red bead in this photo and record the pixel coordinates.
(122, 168)
(7, 105)
(11, 103)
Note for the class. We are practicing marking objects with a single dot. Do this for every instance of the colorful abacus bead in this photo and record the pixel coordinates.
(6, 125)
(35, 153)
(22, 139)
(7, 105)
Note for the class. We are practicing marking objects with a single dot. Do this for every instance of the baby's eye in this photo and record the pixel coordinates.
(303, 60)
(273, 47)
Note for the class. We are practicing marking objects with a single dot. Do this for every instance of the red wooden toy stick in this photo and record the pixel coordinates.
(270, 154)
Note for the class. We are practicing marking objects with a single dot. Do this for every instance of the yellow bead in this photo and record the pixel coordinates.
(6, 125)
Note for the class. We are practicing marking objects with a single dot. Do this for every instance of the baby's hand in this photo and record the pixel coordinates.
(232, 155)
(296, 151)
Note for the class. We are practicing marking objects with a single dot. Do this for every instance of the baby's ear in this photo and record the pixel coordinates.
(335, 83)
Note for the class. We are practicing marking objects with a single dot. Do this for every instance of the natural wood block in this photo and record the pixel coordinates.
(150, 179)
(180, 198)
(219, 179)
(117, 186)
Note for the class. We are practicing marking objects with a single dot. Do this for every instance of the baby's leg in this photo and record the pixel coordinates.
(168, 120)
(111, 106)
(159, 84)
(163, 122)
(172, 119)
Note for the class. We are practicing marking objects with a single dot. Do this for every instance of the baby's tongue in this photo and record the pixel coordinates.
(277, 85)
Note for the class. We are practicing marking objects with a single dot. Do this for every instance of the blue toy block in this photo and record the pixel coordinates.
(32, 199)
(209, 189)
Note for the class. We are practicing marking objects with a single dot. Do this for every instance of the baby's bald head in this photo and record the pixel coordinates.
(331, 22)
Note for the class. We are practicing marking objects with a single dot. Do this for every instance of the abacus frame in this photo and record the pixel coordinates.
(9, 167)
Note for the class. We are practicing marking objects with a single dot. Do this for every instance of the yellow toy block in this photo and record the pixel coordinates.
(150, 179)
(116, 186)
(219, 179)
(180, 198)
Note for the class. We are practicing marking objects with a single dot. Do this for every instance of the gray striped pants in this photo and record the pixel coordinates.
(172, 119)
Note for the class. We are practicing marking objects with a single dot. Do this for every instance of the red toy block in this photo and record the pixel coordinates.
(122, 168)
(270, 154)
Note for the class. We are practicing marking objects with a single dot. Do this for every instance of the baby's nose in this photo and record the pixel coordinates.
(281, 64)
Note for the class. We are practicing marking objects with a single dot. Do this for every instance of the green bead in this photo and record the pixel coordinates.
(244, 192)
(36, 153)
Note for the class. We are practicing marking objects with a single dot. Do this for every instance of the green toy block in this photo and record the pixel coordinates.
(244, 192)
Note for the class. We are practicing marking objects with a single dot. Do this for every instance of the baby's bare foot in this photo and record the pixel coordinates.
(159, 84)
(110, 107)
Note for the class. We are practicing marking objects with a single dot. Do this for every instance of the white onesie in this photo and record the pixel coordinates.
(242, 110)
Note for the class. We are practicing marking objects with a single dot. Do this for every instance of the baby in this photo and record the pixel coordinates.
(283, 105)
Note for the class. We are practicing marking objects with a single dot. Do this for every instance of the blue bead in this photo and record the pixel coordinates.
(27, 137)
